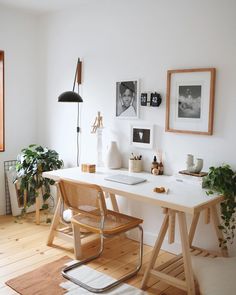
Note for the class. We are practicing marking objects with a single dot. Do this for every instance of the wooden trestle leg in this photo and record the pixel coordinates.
(188, 284)
(155, 250)
(55, 223)
(189, 278)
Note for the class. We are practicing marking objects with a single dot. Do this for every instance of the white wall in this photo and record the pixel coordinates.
(140, 39)
(18, 39)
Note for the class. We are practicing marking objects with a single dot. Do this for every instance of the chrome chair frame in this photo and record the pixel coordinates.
(114, 284)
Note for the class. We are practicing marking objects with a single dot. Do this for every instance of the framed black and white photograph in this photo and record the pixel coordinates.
(127, 104)
(190, 101)
(142, 136)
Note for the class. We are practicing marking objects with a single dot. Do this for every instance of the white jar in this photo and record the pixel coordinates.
(113, 157)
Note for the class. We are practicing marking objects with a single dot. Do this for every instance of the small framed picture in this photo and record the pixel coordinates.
(190, 101)
(127, 99)
(142, 136)
(144, 98)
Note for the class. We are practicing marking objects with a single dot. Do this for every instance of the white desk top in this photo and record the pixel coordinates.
(183, 196)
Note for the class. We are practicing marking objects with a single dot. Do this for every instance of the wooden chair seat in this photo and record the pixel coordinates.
(114, 222)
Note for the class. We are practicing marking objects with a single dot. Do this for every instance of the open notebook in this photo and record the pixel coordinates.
(126, 179)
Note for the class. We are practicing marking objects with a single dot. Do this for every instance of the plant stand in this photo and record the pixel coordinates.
(37, 211)
(37, 206)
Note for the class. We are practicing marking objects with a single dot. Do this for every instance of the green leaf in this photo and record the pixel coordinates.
(222, 180)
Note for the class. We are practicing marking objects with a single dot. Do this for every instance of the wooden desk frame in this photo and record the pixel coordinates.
(171, 210)
(187, 247)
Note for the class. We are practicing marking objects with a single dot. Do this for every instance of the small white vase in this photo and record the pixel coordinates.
(113, 158)
(199, 165)
(189, 162)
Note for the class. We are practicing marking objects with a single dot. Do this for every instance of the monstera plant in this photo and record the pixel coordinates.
(31, 163)
(222, 180)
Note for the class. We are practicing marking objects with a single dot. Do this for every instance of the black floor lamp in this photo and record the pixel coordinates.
(72, 96)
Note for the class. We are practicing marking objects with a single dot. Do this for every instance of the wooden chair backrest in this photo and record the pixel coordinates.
(82, 197)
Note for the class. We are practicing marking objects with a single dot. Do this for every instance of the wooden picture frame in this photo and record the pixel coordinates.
(2, 127)
(142, 136)
(190, 101)
(127, 99)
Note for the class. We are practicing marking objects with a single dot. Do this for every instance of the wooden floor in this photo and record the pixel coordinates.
(23, 248)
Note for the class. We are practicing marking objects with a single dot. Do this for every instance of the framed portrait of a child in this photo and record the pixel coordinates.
(127, 104)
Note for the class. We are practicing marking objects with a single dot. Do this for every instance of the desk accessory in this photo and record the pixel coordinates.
(72, 96)
(90, 168)
(154, 166)
(135, 163)
(193, 167)
(161, 190)
(144, 99)
(157, 168)
(125, 179)
(154, 100)
(97, 127)
(113, 159)
(200, 174)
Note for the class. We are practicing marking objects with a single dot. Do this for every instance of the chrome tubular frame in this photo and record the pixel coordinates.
(112, 285)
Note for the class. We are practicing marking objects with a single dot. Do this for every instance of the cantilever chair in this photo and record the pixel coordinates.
(88, 200)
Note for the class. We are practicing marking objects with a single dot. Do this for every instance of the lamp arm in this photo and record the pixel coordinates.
(78, 131)
(76, 73)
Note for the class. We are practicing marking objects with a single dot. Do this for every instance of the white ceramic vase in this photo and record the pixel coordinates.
(189, 162)
(191, 166)
(113, 157)
(199, 165)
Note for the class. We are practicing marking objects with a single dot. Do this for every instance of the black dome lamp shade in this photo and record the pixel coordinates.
(72, 96)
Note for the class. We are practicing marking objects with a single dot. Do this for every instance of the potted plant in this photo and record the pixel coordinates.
(31, 163)
(222, 180)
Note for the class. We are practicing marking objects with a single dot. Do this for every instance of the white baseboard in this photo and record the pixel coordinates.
(150, 239)
(2, 210)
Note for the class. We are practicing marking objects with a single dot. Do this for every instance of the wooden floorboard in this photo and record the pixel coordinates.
(23, 248)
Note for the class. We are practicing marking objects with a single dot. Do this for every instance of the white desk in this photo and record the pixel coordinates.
(183, 197)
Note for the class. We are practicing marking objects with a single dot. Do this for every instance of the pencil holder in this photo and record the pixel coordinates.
(135, 165)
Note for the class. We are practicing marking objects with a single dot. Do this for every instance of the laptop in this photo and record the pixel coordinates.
(126, 179)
